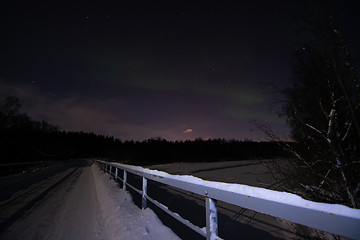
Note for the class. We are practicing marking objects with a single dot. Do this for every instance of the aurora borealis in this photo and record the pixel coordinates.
(136, 70)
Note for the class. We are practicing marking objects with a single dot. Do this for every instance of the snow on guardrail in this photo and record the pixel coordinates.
(333, 218)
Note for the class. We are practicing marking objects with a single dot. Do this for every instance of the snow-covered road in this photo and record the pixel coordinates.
(78, 203)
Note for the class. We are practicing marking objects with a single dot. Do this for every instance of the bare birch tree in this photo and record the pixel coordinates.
(322, 109)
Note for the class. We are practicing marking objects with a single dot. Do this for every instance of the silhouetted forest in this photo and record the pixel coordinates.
(22, 140)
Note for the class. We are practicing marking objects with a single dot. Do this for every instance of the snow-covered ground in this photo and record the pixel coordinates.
(78, 203)
(81, 202)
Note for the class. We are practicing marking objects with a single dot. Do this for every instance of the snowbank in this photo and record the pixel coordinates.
(122, 218)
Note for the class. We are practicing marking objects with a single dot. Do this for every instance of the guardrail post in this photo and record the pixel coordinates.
(211, 219)
(124, 180)
(116, 173)
(144, 190)
(110, 167)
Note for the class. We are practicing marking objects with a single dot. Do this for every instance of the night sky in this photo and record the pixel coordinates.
(136, 70)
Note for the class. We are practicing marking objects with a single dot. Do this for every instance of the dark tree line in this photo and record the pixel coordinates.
(22, 139)
(163, 151)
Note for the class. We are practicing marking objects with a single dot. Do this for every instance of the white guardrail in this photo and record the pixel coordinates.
(332, 218)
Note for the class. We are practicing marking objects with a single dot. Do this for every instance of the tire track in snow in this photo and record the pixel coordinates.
(21, 210)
